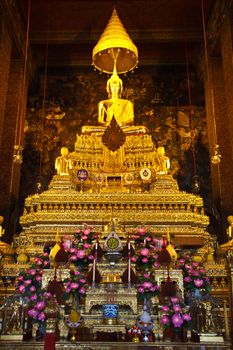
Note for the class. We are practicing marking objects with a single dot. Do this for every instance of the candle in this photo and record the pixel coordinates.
(227, 332)
(129, 265)
(94, 265)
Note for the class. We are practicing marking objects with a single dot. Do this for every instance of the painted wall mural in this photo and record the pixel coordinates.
(160, 97)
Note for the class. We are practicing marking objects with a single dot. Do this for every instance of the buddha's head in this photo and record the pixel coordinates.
(64, 151)
(114, 85)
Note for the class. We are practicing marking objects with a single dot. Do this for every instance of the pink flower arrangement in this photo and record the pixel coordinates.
(194, 276)
(176, 314)
(29, 282)
(80, 251)
(146, 249)
(75, 285)
(81, 257)
(85, 235)
(36, 310)
(147, 287)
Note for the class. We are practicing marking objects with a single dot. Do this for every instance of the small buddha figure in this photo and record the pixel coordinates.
(229, 244)
(162, 161)
(63, 164)
(229, 230)
(1, 229)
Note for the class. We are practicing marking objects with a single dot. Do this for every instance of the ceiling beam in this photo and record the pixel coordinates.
(139, 36)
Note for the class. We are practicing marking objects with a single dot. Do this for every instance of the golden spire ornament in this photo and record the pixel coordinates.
(115, 45)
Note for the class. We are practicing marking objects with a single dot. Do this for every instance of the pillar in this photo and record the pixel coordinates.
(218, 81)
(219, 131)
(10, 173)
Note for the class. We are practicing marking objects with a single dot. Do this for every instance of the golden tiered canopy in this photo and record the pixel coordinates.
(115, 45)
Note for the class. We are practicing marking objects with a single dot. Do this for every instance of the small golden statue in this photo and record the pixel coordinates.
(209, 325)
(162, 161)
(63, 164)
(14, 323)
(229, 230)
(223, 248)
(1, 229)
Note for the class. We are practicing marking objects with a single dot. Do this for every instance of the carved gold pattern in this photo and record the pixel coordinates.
(109, 328)
(97, 296)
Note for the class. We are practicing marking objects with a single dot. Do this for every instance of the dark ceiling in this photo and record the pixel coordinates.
(159, 28)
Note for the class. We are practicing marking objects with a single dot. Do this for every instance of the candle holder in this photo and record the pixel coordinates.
(73, 321)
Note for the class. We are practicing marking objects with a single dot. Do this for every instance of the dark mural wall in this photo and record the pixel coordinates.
(161, 102)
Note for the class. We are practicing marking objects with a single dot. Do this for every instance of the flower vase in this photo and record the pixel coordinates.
(40, 331)
(176, 335)
(168, 334)
(73, 320)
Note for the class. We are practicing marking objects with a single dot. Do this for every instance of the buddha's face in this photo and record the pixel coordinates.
(115, 88)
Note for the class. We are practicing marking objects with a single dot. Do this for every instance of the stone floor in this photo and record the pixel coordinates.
(35, 345)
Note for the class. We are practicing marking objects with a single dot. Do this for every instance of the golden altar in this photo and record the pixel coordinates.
(114, 171)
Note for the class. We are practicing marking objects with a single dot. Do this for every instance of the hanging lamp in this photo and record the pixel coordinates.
(195, 181)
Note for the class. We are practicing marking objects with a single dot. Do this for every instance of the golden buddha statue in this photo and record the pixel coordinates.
(223, 248)
(115, 106)
(162, 161)
(121, 109)
(63, 163)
